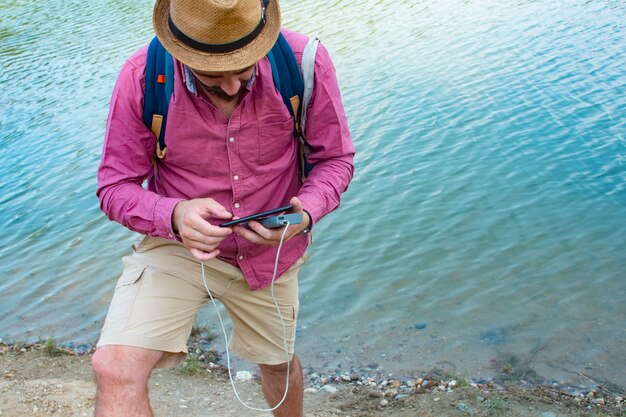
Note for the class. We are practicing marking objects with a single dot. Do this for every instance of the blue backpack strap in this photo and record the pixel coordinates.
(289, 82)
(287, 77)
(159, 86)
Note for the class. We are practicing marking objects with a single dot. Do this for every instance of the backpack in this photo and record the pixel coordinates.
(295, 88)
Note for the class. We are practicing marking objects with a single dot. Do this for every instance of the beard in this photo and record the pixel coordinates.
(221, 94)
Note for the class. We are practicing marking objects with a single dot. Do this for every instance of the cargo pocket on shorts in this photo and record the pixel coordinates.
(122, 304)
(291, 319)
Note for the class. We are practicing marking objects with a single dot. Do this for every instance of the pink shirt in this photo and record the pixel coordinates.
(248, 163)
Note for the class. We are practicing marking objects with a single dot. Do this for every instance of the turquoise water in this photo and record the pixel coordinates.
(489, 202)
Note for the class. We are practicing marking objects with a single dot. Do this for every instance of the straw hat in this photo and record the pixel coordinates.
(217, 35)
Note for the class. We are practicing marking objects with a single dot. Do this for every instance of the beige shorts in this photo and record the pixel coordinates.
(161, 289)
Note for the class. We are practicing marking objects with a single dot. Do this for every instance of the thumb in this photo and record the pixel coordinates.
(297, 205)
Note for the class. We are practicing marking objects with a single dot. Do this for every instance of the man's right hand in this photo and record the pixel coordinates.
(198, 235)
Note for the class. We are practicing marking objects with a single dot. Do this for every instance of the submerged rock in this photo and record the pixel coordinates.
(497, 336)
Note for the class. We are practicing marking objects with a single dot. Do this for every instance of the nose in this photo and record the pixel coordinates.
(230, 85)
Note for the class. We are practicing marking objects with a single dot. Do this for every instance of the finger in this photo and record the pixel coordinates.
(251, 236)
(204, 256)
(208, 229)
(204, 247)
(264, 236)
(215, 209)
(193, 235)
(264, 232)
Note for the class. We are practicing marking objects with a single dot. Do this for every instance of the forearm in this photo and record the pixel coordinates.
(138, 209)
(321, 192)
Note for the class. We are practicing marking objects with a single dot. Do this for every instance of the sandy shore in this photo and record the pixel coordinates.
(38, 380)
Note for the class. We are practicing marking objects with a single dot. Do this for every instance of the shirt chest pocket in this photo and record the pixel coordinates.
(274, 140)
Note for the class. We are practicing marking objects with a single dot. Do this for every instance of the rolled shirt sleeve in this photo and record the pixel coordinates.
(328, 135)
(126, 160)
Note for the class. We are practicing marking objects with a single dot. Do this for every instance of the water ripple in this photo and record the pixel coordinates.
(488, 201)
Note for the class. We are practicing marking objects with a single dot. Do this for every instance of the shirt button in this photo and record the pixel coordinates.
(232, 139)
(240, 257)
(236, 205)
(236, 177)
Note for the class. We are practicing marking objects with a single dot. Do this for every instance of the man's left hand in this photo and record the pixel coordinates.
(258, 234)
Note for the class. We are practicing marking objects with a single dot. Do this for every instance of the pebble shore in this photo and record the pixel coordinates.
(389, 389)
(377, 385)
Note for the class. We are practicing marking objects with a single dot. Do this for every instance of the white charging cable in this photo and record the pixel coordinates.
(282, 323)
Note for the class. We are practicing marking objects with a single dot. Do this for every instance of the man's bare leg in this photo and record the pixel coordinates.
(273, 383)
(122, 374)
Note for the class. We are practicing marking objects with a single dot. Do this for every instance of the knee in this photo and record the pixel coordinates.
(112, 368)
(106, 368)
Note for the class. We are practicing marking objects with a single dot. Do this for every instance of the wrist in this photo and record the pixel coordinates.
(177, 215)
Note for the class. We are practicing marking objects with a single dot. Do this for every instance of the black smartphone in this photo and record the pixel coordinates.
(256, 216)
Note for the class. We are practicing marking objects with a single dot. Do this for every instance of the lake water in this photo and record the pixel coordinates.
(486, 222)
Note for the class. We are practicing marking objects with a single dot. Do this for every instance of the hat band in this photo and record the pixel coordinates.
(222, 47)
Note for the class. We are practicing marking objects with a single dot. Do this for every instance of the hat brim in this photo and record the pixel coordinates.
(217, 62)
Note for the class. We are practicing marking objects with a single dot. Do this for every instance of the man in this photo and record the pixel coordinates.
(230, 153)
